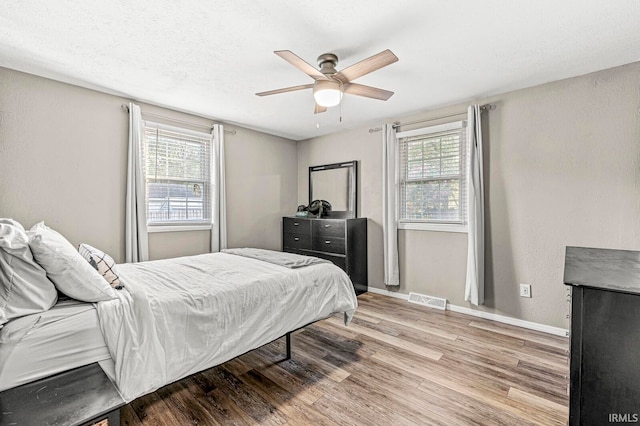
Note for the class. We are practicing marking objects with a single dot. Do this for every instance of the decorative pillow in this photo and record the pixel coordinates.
(70, 273)
(24, 286)
(101, 262)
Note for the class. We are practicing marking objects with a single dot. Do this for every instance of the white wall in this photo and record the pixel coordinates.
(562, 167)
(63, 157)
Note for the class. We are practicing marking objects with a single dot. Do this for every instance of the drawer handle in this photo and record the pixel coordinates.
(296, 239)
(327, 242)
(295, 223)
(327, 226)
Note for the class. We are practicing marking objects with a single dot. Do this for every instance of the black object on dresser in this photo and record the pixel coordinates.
(605, 335)
(342, 241)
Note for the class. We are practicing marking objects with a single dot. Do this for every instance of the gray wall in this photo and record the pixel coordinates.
(562, 167)
(63, 156)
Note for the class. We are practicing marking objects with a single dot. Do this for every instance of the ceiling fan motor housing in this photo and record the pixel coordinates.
(327, 63)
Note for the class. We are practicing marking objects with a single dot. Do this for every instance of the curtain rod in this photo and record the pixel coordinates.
(486, 107)
(175, 120)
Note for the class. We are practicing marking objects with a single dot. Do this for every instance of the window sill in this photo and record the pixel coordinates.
(438, 227)
(177, 228)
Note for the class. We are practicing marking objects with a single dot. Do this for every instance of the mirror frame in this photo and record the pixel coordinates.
(353, 165)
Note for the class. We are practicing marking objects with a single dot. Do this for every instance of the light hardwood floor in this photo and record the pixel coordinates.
(396, 364)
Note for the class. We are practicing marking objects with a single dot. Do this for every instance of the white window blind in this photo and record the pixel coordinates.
(433, 180)
(178, 175)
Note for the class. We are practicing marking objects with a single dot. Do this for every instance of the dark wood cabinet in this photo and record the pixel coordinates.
(342, 241)
(605, 335)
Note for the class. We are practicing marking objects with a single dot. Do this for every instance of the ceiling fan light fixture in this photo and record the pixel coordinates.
(327, 93)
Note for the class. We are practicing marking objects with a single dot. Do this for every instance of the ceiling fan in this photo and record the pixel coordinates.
(330, 84)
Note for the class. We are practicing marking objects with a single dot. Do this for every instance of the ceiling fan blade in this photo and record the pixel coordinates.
(364, 67)
(367, 91)
(300, 63)
(318, 109)
(286, 89)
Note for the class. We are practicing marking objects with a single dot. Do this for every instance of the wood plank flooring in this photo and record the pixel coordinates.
(396, 364)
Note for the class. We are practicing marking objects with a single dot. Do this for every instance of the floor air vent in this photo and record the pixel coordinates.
(430, 301)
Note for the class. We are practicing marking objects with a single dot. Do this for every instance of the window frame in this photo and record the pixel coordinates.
(175, 226)
(426, 225)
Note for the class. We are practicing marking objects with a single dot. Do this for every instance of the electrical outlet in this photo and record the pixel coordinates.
(525, 290)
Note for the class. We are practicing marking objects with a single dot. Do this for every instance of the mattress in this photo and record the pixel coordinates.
(39, 345)
(176, 317)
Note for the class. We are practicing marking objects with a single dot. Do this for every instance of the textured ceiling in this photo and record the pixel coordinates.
(210, 57)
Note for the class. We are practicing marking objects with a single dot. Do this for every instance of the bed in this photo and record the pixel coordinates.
(40, 345)
(176, 317)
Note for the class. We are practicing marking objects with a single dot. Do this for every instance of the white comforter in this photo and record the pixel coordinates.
(179, 316)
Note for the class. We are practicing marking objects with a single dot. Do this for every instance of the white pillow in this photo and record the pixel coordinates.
(70, 273)
(24, 286)
(101, 262)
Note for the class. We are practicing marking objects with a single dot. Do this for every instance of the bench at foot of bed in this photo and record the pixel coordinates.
(83, 396)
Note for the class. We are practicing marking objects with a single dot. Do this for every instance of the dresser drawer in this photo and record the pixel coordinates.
(328, 244)
(338, 260)
(292, 225)
(328, 228)
(297, 241)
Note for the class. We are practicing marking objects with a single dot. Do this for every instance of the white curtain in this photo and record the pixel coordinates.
(218, 192)
(389, 205)
(474, 289)
(136, 238)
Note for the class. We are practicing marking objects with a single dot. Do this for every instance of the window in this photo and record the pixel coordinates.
(178, 175)
(433, 184)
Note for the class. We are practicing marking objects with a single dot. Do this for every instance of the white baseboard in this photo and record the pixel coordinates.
(388, 293)
(556, 331)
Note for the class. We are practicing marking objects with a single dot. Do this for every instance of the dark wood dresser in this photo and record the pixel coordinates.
(605, 335)
(342, 241)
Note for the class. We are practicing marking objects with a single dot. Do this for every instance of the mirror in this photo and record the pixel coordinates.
(338, 184)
